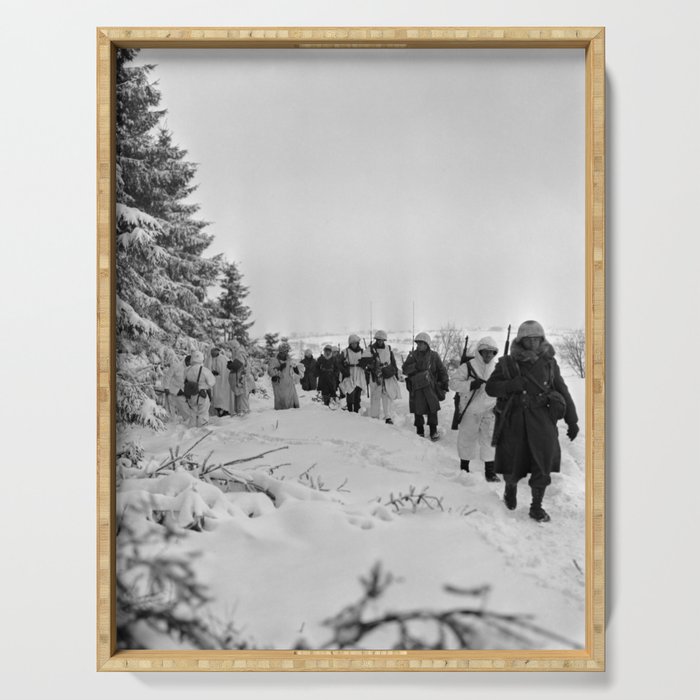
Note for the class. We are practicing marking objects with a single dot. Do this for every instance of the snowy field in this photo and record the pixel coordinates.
(283, 540)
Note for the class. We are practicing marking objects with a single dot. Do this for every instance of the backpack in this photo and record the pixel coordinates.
(191, 386)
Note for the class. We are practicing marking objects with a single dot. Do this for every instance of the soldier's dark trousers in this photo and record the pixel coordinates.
(538, 477)
(353, 399)
(419, 421)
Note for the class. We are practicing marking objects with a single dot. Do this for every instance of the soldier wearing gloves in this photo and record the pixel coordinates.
(532, 396)
(427, 382)
(475, 410)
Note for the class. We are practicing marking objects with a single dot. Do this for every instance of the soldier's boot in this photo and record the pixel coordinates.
(510, 496)
(537, 512)
(464, 465)
(420, 431)
(490, 471)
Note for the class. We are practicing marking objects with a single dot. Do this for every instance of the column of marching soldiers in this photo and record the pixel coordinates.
(506, 410)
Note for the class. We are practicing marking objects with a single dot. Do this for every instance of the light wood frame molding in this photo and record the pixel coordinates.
(592, 40)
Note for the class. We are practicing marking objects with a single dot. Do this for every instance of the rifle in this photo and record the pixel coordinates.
(366, 368)
(457, 417)
(464, 357)
(413, 328)
(503, 413)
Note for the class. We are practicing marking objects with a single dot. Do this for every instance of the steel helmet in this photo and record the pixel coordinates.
(353, 339)
(530, 329)
(424, 337)
(380, 335)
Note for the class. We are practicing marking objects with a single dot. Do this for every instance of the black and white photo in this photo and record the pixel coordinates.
(350, 349)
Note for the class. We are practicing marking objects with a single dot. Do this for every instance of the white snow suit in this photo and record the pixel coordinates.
(241, 383)
(198, 405)
(283, 380)
(476, 426)
(220, 393)
(351, 358)
(388, 390)
(174, 382)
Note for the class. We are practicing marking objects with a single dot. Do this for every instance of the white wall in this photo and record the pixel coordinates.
(47, 271)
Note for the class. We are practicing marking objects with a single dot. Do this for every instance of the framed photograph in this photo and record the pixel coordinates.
(351, 349)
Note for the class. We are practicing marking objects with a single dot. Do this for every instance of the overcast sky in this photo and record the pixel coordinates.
(340, 178)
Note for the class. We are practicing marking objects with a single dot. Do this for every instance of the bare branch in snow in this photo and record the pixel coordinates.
(462, 627)
(184, 454)
(414, 499)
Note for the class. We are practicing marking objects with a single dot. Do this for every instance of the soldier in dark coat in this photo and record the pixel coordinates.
(308, 383)
(526, 432)
(427, 383)
(327, 367)
(335, 352)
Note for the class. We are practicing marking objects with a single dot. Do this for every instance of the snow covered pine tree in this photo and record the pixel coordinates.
(232, 313)
(162, 277)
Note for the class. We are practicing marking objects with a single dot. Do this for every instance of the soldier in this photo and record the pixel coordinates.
(308, 383)
(240, 380)
(353, 362)
(173, 385)
(427, 382)
(532, 396)
(282, 369)
(198, 383)
(384, 386)
(220, 399)
(475, 409)
(335, 352)
(327, 367)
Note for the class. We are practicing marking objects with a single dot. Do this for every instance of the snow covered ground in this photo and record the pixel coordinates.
(279, 563)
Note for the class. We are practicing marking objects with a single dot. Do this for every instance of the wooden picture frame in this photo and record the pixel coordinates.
(590, 39)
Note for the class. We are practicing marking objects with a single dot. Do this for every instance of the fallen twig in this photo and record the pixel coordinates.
(184, 454)
(271, 470)
(414, 499)
(351, 625)
(244, 459)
